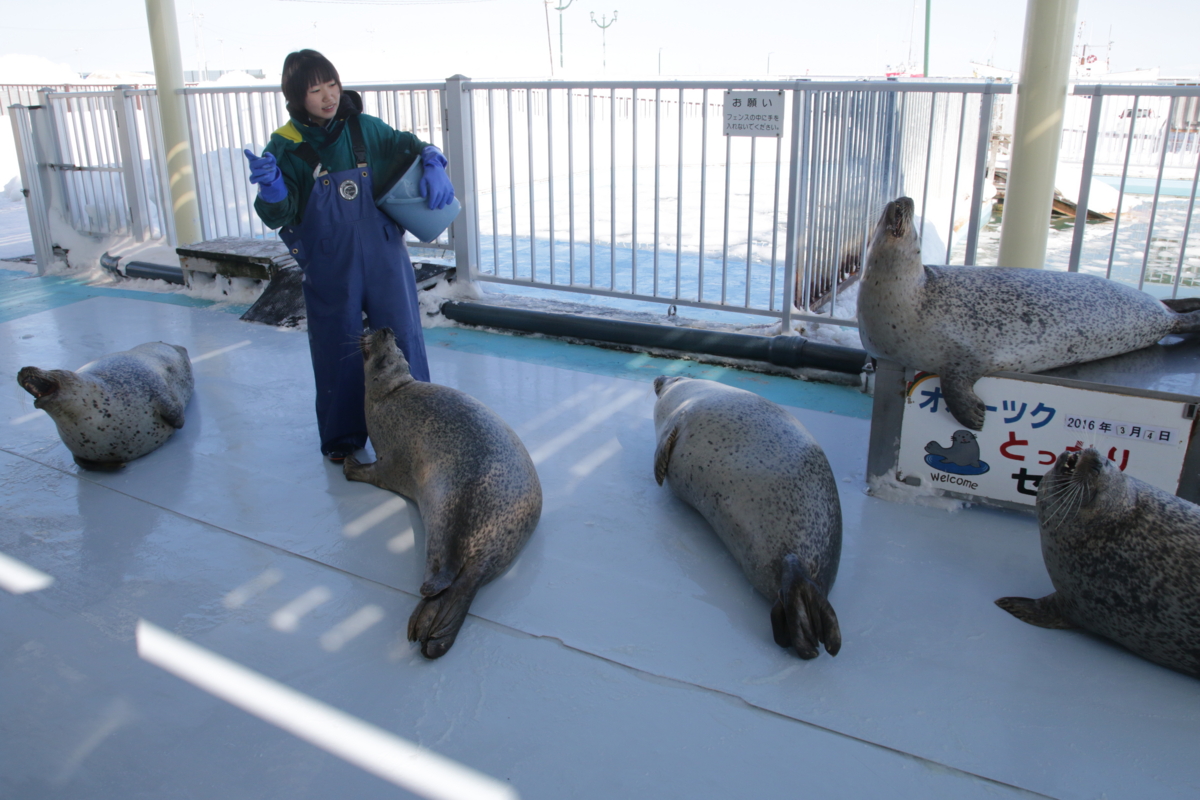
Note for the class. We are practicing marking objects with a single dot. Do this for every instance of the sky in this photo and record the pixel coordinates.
(405, 40)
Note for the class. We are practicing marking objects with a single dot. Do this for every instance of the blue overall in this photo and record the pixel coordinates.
(354, 260)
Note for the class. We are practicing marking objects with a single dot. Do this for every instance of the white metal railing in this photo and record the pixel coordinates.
(107, 152)
(630, 189)
(1156, 128)
(619, 190)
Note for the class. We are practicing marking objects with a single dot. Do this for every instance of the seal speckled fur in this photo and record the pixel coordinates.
(118, 407)
(471, 477)
(966, 322)
(1124, 558)
(764, 484)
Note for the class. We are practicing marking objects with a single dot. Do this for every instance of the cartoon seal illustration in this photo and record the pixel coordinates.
(764, 485)
(118, 407)
(471, 477)
(966, 322)
(963, 450)
(1124, 558)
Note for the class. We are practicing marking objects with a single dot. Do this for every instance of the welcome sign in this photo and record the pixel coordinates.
(1028, 425)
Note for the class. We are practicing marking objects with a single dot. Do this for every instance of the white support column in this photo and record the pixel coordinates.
(1041, 101)
(459, 141)
(168, 75)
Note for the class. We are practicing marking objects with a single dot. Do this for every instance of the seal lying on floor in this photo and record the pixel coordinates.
(471, 477)
(966, 322)
(763, 483)
(1124, 558)
(118, 407)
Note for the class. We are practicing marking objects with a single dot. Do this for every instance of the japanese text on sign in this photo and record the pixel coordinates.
(754, 113)
(1124, 430)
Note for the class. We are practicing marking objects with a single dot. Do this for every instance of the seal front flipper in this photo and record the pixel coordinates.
(436, 621)
(802, 617)
(354, 470)
(1044, 612)
(171, 412)
(662, 454)
(961, 400)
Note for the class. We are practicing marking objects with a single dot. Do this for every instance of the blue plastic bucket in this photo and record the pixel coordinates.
(402, 202)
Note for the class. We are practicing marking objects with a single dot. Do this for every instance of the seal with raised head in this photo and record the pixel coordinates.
(763, 483)
(1124, 559)
(118, 407)
(966, 322)
(471, 477)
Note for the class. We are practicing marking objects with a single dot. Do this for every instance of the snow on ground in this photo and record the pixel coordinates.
(25, 69)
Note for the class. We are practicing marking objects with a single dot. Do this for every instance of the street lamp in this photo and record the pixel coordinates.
(560, 9)
(604, 24)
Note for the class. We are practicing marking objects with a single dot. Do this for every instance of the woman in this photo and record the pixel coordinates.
(318, 179)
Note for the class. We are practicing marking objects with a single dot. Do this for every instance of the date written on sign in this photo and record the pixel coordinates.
(1122, 430)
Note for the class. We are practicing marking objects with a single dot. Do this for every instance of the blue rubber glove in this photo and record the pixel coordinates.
(435, 183)
(265, 172)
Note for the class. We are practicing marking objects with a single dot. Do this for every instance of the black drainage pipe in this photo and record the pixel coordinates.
(784, 351)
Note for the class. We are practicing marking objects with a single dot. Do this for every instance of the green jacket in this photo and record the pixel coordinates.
(389, 153)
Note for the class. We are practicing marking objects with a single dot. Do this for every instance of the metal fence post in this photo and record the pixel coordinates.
(1085, 180)
(795, 202)
(36, 201)
(460, 151)
(982, 143)
(131, 163)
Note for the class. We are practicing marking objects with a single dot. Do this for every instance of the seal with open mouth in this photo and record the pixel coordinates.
(118, 407)
(1124, 558)
(966, 322)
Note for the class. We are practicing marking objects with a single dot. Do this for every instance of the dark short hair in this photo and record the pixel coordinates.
(301, 71)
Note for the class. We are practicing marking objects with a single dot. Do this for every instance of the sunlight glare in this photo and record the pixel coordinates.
(373, 749)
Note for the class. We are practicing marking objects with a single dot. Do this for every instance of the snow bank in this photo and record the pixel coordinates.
(18, 68)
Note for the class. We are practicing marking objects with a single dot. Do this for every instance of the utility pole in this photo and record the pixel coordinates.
(549, 41)
(604, 24)
(560, 9)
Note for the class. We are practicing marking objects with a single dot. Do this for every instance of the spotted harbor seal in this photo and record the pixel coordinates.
(118, 407)
(1124, 558)
(966, 322)
(471, 477)
(764, 485)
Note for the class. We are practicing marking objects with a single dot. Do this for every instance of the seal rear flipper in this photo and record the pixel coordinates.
(1188, 319)
(436, 620)
(802, 617)
(962, 402)
(1182, 305)
(1044, 612)
(662, 454)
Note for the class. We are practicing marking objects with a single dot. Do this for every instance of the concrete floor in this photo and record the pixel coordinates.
(623, 655)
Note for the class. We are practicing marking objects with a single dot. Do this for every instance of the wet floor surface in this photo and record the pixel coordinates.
(623, 654)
